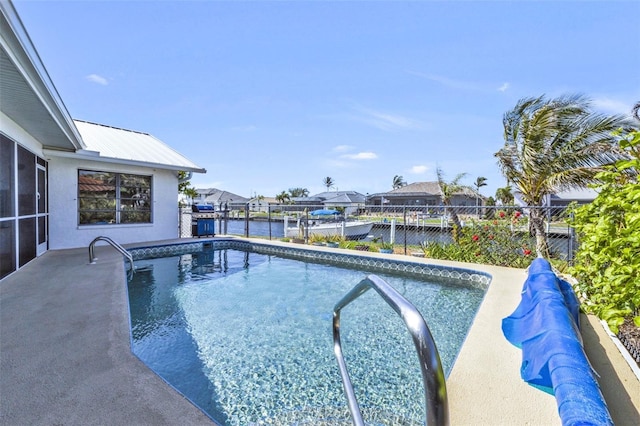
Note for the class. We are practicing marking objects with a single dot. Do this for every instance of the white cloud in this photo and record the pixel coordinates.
(95, 78)
(360, 156)
(383, 120)
(418, 170)
(453, 83)
(342, 148)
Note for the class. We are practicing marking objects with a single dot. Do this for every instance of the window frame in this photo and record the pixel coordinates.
(118, 205)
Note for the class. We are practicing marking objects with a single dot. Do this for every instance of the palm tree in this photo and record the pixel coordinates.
(282, 197)
(447, 190)
(398, 182)
(553, 145)
(504, 196)
(184, 186)
(479, 183)
(298, 192)
(328, 182)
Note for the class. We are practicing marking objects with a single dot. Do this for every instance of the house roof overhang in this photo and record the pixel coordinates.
(95, 156)
(29, 97)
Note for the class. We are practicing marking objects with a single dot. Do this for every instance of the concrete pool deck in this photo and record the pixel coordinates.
(65, 354)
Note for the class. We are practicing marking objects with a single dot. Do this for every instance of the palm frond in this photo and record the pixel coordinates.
(556, 142)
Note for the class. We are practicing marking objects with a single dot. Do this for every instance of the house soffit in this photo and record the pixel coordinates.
(27, 95)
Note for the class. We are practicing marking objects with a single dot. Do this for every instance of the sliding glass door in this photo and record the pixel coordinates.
(24, 212)
(43, 207)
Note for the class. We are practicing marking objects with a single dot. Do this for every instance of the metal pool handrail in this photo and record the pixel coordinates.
(125, 253)
(435, 391)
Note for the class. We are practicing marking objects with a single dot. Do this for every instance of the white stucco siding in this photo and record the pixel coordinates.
(64, 231)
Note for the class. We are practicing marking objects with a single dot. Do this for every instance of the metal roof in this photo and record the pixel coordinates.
(346, 198)
(213, 195)
(131, 147)
(333, 194)
(423, 189)
(584, 194)
(417, 187)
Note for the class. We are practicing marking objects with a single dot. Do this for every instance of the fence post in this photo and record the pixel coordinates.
(404, 216)
(246, 220)
(269, 219)
(392, 231)
(226, 218)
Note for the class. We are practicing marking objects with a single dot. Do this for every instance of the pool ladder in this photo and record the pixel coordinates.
(125, 253)
(435, 391)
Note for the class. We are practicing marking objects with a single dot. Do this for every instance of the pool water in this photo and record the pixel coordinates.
(247, 337)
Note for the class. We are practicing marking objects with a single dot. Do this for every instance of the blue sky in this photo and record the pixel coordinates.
(273, 95)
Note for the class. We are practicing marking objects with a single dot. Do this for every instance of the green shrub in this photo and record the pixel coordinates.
(317, 238)
(335, 238)
(500, 241)
(607, 264)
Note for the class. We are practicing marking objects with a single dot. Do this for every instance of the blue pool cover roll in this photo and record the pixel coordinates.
(545, 325)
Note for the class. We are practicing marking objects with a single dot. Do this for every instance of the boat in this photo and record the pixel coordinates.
(328, 223)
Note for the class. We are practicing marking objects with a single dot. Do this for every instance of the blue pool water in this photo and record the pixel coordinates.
(247, 337)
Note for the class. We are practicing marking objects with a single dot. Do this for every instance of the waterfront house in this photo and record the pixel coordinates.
(65, 182)
(263, 204)
(579, 196)
(424, 194)
(349, 201)
(561, 199)
(219, 198)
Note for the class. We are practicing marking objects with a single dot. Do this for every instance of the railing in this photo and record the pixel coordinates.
(435, 391)
(125, 253)
(408, 227)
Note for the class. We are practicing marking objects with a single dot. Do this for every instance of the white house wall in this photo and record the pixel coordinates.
(64, 231)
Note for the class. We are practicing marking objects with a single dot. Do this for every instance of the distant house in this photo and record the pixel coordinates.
(350, 201)
(424, 194)
(262, 204)
(219, 198)
(563, 198)
(65, 182)
(580, 196)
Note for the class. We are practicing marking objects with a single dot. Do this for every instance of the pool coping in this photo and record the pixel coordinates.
(57, 305)
(377, 263)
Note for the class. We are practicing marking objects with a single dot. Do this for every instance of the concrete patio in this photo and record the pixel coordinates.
(65, 355)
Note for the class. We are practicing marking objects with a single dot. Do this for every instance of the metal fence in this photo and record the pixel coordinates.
(406, 227)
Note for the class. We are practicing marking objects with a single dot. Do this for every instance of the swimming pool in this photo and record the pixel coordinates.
(247, 336)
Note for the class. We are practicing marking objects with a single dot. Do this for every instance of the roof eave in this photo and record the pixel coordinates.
(95, 156)
(24, 56)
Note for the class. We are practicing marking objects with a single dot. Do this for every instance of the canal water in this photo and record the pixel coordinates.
(413, 237)
(560, 245)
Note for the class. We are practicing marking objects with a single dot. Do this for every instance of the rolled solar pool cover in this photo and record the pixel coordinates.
(545, 325)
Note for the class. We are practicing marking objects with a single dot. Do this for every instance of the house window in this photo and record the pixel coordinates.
(113, 198)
